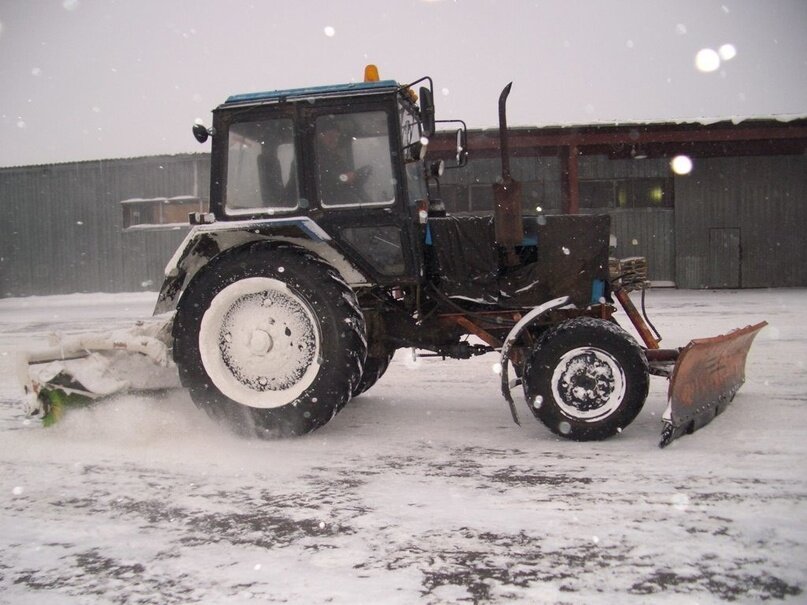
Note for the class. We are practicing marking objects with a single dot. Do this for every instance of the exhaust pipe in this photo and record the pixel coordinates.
(507, 220)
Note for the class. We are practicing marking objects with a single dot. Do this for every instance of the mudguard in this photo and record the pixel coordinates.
(205, 242)
(512, 338)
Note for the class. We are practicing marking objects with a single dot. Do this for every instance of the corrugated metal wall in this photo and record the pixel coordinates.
(540, 177)
(648, 232)
(63, 229)
(737, 221)
(760, 202)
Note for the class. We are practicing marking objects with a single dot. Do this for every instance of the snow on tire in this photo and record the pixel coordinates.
(586, 379)
(259, 343)
(269, 341)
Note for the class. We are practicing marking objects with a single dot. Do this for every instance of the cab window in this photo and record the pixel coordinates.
(261, 167)
(353, 160)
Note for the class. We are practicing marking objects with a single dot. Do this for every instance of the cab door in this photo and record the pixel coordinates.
(357, 189)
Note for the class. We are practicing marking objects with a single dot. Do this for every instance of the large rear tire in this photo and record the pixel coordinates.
(374, 369)
(586, 379)
(269, 341)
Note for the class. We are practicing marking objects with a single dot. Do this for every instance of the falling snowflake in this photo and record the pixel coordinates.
(329, 31)
(707, 60)
(681, 164)
(727, 52)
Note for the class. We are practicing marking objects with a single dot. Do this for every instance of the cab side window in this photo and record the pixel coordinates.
(261, 167)
(353, 161)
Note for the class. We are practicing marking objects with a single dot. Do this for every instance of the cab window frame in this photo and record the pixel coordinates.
(392, 138)
(259, 114)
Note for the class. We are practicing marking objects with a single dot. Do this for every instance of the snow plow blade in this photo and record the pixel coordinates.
(707, 375)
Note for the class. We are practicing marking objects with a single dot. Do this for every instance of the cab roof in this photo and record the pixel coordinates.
(334, 90)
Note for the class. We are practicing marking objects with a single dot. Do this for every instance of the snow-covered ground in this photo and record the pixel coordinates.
(421, 490)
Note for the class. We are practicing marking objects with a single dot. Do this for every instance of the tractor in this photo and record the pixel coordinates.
(326, 248)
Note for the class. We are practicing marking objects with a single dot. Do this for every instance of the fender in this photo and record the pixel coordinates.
(205, 242)
(513, 337)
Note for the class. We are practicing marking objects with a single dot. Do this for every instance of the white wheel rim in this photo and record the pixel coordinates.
(260, 343)
(588, 384)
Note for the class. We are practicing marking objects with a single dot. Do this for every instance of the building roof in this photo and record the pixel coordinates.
(657, 139)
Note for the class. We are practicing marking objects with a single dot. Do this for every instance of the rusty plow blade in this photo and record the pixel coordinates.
(707, 375)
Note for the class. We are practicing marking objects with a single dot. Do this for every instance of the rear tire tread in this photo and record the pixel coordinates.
(343, 341)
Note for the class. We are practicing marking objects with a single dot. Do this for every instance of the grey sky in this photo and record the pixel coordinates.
(91, 79)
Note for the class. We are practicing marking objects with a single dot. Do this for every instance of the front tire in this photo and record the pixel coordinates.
(269, 341)
(586, 379)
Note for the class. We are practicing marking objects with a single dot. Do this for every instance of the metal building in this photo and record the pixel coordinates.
(736, 220)
(65, 228)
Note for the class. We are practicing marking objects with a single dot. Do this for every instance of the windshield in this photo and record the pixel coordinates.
(261, 171)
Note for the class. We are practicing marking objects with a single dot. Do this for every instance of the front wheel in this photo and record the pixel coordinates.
(586, 379)
(269, 341)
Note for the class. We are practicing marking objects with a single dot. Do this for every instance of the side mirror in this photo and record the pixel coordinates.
(427, 111)
(200, 133)
(462, 148)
